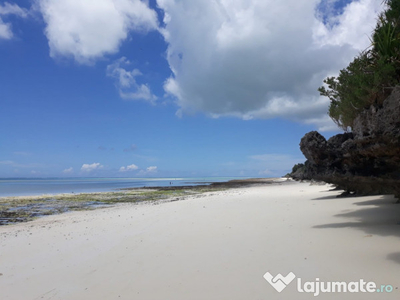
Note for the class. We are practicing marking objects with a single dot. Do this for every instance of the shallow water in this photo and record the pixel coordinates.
(25, 187)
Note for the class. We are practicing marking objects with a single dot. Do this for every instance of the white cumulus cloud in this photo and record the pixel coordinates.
(266, 172)
(90, 29)
(151, 169)
(353, 26)
(131, 167)
(260, 58)
(126, 83)
(9, 9)
(91, 167)
(274, 164)
(68, 171)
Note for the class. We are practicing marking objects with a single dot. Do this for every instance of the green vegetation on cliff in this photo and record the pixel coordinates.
(371, 76)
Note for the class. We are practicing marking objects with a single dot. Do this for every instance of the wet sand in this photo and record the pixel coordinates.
(17, 209)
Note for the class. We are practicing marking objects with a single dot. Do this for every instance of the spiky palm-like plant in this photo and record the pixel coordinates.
(370, 77)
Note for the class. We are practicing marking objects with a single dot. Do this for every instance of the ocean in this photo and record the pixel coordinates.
(33, 187)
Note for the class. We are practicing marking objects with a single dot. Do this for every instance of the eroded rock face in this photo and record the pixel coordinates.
(366, 161)
(383, 121)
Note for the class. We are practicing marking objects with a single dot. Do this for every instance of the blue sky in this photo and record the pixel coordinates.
(168, 88)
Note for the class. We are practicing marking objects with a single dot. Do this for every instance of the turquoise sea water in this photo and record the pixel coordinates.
(24, 187)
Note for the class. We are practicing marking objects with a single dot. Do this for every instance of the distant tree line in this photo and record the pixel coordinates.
(370, 77)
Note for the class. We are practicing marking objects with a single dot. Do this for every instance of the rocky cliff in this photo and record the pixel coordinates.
(365, 161)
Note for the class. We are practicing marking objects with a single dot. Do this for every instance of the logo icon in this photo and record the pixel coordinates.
(279, 282)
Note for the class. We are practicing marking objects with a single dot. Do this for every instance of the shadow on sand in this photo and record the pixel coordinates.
(331, 197)
(377, 216)
(394, 257)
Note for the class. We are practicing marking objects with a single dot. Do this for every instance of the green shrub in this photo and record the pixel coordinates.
(371, 76)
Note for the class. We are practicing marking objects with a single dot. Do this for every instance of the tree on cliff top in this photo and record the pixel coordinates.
(371, 76)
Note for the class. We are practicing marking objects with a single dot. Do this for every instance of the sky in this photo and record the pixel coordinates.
(169, 88)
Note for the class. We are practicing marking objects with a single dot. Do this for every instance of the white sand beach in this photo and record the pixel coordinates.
(217, 246)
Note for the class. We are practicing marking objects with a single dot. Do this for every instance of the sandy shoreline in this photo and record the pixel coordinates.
(17, 209)
(214, 247)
